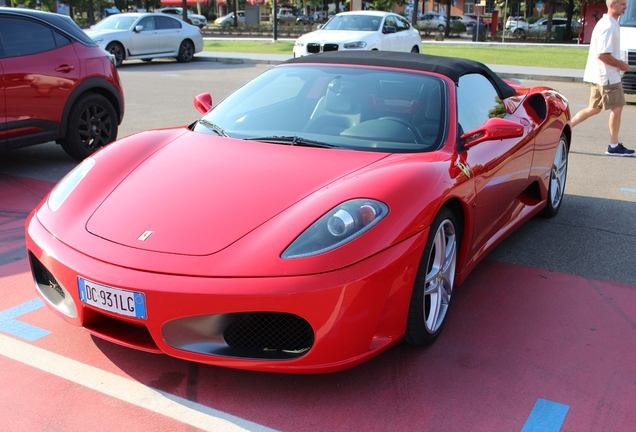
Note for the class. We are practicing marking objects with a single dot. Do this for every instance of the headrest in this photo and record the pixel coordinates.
(341, 97)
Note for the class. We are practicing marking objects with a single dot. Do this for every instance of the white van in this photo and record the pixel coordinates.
(628, 46)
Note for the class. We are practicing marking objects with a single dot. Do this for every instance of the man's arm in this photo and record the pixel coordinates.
(611, 61)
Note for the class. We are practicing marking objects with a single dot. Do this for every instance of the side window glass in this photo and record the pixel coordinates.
(402, 24)
(477, 101)
(60, 39)
(148, 23)
(389, 22)
(22, 37)
(164, 23)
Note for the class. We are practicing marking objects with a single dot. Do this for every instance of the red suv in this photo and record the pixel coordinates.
(55, 84)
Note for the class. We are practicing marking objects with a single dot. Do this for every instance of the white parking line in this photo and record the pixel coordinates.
(124, 389)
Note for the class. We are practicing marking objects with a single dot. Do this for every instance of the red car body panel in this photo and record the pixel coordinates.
(355, 297)
(41, 82)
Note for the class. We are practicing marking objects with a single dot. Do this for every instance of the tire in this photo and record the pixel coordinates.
(440, 28)
(186, 51)
(415, 50)
(117, 50)
(92, 124)
(558, 176)
(434, 282)
(519, 33)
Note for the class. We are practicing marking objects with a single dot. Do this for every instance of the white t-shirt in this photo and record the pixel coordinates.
(605, 39)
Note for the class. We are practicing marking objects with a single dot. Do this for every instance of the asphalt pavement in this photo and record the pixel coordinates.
(504, 71)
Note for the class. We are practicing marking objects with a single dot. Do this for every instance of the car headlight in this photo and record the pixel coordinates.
(338, 226)
(355, 45)
(68, 183)
(299, 44)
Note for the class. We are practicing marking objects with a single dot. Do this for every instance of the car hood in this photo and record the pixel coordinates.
(199, 194)
(336, 36)
(96, 34)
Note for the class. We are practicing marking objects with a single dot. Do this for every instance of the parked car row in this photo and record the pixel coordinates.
(519, 26)
(438, 21)
(194, 19)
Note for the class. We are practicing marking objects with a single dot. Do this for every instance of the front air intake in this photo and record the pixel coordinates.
(270, 331)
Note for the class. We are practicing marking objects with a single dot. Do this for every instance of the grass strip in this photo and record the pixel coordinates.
(552, 57)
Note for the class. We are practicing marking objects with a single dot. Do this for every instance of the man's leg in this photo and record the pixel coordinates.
(615, 123)
(586, 113)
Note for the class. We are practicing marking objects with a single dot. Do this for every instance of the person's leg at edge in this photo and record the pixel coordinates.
(615, 124)
(584, 114)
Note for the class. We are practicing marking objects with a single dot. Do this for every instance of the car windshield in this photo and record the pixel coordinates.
(359, 108)
(354, 23)
(115, 22)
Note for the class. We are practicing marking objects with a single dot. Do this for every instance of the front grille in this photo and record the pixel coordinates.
(313, 48)
(44, 278)
(330, 47)
(270, 331)
(629, 78)
(629, 83)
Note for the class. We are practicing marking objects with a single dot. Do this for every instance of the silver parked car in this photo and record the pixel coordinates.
(146, 36)
(177, 12)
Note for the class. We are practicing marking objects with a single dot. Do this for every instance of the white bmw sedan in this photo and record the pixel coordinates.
(146, 36)
(361, 30)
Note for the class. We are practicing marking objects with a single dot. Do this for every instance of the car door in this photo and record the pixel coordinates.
(402, 41)
(169, 32)
(40, 69)
(3, 117)
(146, 41)
(500, 167)
(388, 40)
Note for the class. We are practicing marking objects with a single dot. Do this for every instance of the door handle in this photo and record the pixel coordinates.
(64, 68)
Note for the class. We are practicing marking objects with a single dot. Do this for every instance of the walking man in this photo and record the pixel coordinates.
(602, 71)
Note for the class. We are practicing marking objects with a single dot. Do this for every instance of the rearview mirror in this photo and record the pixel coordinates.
(494, 129)
(389, 29)
(203, 102)
(138, 28)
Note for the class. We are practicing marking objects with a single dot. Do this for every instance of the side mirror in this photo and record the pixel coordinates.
(203, 102)
(494, 129)
(138, 28)
(389, 29)
(320, 26)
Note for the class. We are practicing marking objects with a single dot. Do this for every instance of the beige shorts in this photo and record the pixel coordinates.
(609, 97)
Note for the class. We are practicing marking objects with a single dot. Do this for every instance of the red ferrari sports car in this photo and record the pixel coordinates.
(318, 215)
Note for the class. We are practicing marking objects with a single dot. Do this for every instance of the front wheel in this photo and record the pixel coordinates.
(186, 52)
(117, 50)
(415, 50)
(434, 282)
(440, 28)
(92, 124)
(558, 175)
(520, 33)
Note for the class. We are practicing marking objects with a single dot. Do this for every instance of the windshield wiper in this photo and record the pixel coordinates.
(292, 140)
(214, 128)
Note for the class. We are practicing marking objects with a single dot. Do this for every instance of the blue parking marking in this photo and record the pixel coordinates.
(547, 416)
(628, 190)
(9, 324)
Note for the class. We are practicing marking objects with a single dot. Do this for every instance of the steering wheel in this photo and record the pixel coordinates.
(419, 139)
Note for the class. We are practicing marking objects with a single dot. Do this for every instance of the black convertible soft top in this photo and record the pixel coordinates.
(451, 67)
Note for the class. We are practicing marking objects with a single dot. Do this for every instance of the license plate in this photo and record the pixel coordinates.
(117, 300)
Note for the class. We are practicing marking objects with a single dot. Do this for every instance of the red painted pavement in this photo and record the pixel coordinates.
(515, 334)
